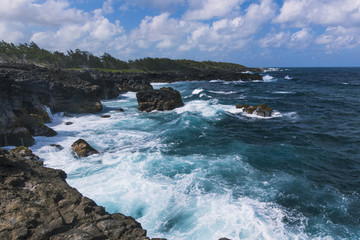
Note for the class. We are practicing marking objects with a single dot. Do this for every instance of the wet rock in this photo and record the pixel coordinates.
(57, 146)
(105, 116)
(18, 136)
(68, 123)
(260, 110)
(161, 100)
(121, 110)
(82, 149)
(37, 203)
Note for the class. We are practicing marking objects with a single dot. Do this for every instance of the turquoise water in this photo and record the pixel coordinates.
(207, 170)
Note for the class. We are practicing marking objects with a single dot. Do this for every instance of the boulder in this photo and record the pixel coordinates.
(161, 100)
(68, 123)
(83, 149)
(260, 110)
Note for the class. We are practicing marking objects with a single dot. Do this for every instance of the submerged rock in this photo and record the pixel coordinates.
(161, 100)
(37, 203)
(57, 146)
(68, 123)
(105, 116)
(260, 110)
(83, 149)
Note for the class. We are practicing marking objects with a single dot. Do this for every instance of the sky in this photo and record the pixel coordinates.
(256, 33)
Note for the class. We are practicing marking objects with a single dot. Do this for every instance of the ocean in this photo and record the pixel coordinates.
(207, 170)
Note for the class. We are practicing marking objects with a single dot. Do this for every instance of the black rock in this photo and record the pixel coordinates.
(161, 100)
(83, 149)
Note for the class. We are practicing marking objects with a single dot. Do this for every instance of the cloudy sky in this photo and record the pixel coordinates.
(251, 32)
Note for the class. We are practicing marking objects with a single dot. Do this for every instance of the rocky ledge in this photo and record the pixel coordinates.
(37, 203)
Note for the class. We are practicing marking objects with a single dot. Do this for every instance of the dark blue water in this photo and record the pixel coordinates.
(207, 170)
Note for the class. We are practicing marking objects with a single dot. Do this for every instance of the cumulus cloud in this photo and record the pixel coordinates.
(207, 9)
(301, 13)
(340, 38)
(48, 13)
(96, 33)
(12, 32)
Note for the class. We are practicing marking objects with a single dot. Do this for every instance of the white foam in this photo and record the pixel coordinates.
(197, 91)
(222, 92)
(271, 69)
(282, 92)
(208, 108)
(288, 78)
(268, 78)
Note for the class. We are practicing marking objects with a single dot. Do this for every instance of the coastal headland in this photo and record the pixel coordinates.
(36, 202)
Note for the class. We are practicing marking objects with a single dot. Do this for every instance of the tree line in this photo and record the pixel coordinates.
(32, 53)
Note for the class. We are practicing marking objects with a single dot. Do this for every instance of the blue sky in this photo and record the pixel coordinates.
(251, 32)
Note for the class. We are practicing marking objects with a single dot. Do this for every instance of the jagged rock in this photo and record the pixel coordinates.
(83, 149)
(261, 110)
(37, 203)
(161, 100)
(26, 89)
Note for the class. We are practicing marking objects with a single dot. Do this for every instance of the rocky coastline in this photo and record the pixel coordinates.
(36, 202)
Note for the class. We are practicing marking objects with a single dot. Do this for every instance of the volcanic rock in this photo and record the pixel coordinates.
(161, 100)
(260, 110)
(37, 203)
(26, 89)
(83, 149)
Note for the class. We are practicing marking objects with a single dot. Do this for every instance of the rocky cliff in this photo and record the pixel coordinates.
(26, 89)
(37, 203)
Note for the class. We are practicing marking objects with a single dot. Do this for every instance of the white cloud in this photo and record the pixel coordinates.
(49, 13)
(108, 6)
(274, 40)
(340, 38)
(300, 39)
(96, 33)
(12, 32)
(301, 13)
(208, 9)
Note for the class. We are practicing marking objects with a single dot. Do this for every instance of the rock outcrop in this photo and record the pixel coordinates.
(260, 110)
(26, 89)
(82, 149)
(37, 203)
(161, 100)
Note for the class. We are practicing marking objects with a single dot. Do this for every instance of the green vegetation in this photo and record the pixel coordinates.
(77, 60)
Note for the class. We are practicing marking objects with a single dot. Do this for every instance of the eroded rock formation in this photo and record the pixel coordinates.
(37, 203)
